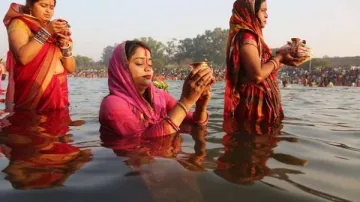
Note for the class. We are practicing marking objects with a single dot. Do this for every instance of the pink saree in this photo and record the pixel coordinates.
(125, 111)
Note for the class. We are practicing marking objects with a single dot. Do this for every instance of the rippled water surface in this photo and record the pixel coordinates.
(316, 157)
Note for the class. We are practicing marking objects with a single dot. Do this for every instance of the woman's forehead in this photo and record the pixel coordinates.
(142, 53)
(50, 2)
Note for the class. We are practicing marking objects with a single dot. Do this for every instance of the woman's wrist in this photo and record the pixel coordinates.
(67, 51)
(278, 58)
(69, 57)
(42, 36)
(200, 116)
(276, 61)
(183, 106)
(188, 104)
(201, 107)
(48, 29)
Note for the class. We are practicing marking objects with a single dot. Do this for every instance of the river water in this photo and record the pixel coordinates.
(314, 157)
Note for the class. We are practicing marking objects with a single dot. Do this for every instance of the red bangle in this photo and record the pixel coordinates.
(172, 124)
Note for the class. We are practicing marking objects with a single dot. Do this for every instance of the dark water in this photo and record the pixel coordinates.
(315, 155)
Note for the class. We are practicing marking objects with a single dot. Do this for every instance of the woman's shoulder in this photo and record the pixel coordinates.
(112, 106)
(18, 25)
(247, 37)
(112, 102)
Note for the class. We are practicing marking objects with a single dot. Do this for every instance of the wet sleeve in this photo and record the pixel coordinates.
(170, 104)
(120, 117)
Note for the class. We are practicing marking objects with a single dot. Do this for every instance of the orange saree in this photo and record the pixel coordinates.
(35, 86)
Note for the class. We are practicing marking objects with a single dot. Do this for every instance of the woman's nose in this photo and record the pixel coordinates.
(148, 68)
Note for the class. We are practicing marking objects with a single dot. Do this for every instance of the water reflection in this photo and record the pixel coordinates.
(247, 149)
(161, 164)
(39, 150)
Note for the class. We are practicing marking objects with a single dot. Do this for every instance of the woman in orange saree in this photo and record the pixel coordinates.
(252, 90)
(39, 59)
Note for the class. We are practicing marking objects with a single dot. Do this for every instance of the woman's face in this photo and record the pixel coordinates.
(140, 66)
(43, 10)
(262, 14)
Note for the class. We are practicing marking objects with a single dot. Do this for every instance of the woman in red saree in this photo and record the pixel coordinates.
(252, 91)
(39, 58)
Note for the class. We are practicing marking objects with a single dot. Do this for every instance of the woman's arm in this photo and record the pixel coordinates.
(255, 71)
(69, 64)
(117, 115)
(23, 48)
(199, 116)
(68, 60)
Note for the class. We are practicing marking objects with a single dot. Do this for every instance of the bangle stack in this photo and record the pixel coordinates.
(172, 124)
(42, 36)
(66, 51)
(276, 63)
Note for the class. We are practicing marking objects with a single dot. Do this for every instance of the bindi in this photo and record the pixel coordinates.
(146, 57)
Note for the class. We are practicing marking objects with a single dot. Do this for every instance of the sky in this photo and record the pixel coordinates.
(331, 27)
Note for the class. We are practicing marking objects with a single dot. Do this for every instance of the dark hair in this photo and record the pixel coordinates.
(131, 46)
(30, 3)
(258, 5)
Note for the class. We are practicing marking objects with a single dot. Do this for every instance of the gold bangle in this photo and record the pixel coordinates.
(186, 110)
(276, 64)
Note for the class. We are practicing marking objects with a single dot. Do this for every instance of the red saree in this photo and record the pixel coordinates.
(247, 101)
(36, 87)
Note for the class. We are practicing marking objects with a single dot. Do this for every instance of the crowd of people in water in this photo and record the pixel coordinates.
(327, 77)
(171, 74)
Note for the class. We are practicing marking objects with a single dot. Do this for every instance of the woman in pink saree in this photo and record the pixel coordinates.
(135, 107)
